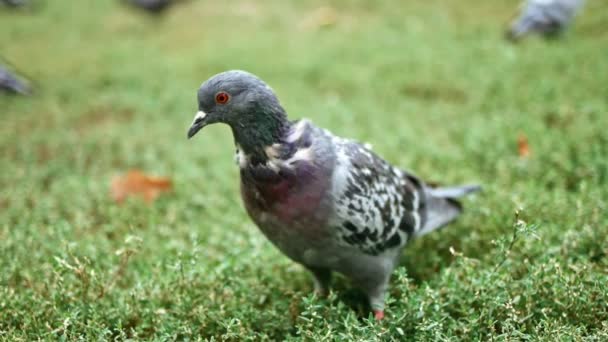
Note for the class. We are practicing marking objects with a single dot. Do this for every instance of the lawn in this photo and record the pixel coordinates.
(430, 84)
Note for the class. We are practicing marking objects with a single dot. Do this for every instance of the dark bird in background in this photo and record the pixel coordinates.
(14, 3)
(151, 6)
(328, 203)
(12, 84)
(546, 17)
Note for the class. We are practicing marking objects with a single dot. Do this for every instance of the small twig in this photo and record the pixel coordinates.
(126, 254)
(512, 243)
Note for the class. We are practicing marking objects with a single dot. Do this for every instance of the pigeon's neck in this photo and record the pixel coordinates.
(255, 135)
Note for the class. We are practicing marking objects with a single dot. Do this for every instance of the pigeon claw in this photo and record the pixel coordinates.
(379, 315)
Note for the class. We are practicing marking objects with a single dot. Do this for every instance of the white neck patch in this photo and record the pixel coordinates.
(273, 152)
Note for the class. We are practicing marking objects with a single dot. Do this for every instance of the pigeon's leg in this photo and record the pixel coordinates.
(322, 279)
(376, 293)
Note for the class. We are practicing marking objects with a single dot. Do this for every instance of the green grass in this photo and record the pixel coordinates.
(430, 84)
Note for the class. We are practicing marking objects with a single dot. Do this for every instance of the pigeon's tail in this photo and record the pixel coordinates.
(522, 27)
(10, 83)
(516, 32)
(17, 87)
(453, 192)
(442, 207)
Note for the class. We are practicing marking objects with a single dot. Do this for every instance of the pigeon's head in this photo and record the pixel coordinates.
(242, 101)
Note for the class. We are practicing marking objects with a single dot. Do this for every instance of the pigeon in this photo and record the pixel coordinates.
(547, 17)
(328, 203)
(10, 83)
(14, 3)
(152, 6)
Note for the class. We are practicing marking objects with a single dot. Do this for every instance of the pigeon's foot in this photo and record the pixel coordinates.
(321, 292)
(376, 293)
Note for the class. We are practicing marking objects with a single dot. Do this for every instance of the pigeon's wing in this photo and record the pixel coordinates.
(377, 206)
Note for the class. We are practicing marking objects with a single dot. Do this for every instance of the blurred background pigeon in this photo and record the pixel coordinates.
(12, 84)
(152, 6)
(14, 3)
(547, 17)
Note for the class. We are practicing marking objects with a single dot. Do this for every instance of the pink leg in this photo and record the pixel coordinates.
(376, 296)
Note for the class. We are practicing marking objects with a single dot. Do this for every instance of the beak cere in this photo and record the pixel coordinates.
(197, 123)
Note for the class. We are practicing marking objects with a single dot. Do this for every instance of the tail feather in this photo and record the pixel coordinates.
(442, 207)
(519, 29)
(453, 192)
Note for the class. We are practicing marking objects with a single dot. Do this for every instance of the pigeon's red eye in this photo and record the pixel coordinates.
(222, 97)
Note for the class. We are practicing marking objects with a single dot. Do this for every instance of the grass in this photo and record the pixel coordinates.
(430, 84)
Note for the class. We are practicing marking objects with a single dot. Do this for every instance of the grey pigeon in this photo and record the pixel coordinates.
(152, 6)
(14, 3)
(328, 203)
(11, 83)
(547, 17)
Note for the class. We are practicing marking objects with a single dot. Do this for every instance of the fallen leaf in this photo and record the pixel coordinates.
(523, 147)
(137, 183)
(321, 17)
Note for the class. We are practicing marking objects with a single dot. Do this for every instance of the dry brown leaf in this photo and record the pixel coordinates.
(523, 147)
(321, 17)
(137, 183)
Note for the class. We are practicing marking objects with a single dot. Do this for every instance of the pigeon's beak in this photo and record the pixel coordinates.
(198, 123)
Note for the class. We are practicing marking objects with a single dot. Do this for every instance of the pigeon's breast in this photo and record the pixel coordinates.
(290, 196)
(290, 208)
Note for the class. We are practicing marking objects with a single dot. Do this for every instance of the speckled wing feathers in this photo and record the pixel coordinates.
(376, 204)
